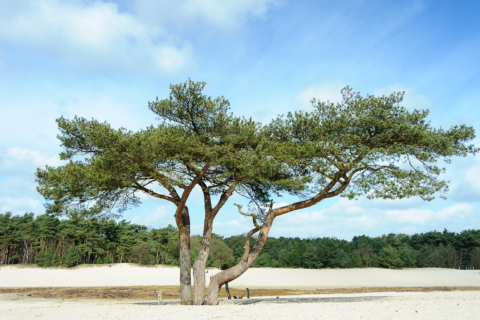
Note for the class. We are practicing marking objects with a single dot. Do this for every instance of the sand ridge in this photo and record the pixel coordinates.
(265, 278)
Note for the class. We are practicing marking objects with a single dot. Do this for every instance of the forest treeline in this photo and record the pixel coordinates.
(48, 241)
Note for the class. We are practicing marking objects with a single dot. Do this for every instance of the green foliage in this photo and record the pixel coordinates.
(49, 241)
(366, 257)
(71, 257)
(310, 258)
(389, 258)
(368, 146)
(140, 254)
(475, 258)
(220, 255)
(78, 240)
(444, 257)
(195, 132)
(408, 256)
(47, 258)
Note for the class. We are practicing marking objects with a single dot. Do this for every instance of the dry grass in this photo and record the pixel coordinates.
(173, 292)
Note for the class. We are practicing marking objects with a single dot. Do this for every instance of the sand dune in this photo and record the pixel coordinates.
(132, 275)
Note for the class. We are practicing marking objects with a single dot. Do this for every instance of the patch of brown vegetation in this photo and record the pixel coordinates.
(173, 292)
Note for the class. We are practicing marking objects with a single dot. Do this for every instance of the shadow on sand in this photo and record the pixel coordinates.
(281, 300)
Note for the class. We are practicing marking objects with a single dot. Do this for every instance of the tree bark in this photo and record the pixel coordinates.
(185, 273)
(199, 265)
(200, 262)
(249, 256)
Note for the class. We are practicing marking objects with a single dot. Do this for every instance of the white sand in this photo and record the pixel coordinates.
(433, 305)
(131, 275)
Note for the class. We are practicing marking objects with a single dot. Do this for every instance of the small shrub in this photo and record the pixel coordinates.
(71, 258)
(47, 258)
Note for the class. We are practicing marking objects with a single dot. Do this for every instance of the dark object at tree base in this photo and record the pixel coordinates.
(248, 293)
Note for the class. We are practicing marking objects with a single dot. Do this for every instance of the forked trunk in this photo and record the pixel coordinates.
(218, 280)
(199, 265)
(185, 273)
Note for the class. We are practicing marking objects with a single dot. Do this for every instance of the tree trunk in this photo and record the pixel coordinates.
(185, 264)
(218, 280)
(200, 263)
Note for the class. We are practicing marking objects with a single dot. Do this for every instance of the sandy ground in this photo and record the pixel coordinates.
(266, 278)
(380, 305)
(433, 305)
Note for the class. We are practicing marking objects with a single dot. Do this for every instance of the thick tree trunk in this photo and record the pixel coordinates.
(199, 265)
(199, 279)
(185, 263)
(249, 256)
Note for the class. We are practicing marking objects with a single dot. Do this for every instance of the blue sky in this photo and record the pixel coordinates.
(107, 59)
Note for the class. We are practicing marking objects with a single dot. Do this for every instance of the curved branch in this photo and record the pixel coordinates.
(254, 216)
(154, 194)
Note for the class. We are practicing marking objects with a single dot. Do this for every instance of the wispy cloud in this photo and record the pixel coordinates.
(24, 161)
(158, 217)
(411, 100)
(19, 205)
(417, 216)
(191, 13)
(324, 92)
(92, 35)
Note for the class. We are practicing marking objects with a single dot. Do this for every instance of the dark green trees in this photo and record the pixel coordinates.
(389, 258)
(67, 246)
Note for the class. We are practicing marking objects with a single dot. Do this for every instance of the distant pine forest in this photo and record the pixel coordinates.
(48, 241)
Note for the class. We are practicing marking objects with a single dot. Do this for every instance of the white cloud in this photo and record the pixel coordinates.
(411, 99)
(363, 221)
(417, 216)
(238, 226)
(302, 217)
(24, 161)
(472, 175)
(93, 35)
(280, 204)
(218, 13)
(160, 216)
(354, 210)
(18, 205)
(325, 92)
(36, 157)
(456, 209)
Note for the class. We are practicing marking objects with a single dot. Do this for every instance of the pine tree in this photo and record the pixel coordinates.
(389, 258)
(71, 258)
